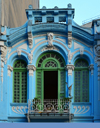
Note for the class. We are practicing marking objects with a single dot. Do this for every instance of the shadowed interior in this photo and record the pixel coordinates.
(50, 84)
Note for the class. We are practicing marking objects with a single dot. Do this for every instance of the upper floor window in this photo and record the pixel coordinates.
(81, 81)
(20, 82)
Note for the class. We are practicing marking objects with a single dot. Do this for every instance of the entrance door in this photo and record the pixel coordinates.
(50, 84)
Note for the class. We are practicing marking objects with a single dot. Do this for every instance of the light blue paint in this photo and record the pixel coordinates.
(39, 31)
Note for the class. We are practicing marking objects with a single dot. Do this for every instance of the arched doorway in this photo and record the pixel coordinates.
(50, 76)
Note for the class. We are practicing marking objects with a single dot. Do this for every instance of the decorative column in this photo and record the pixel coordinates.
(70, 68)
(31, 69)
(91, 68)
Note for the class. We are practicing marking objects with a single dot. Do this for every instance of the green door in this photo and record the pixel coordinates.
(50, 77)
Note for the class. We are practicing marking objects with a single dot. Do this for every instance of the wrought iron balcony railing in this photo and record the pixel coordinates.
(47, 106)
(50, 108)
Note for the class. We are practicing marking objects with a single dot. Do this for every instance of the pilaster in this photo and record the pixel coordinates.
(31, 69)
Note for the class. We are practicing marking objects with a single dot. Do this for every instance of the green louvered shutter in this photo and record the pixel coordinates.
(39, 83)
(20, 82)
(77, 86)
(85, 86)
(62, 84)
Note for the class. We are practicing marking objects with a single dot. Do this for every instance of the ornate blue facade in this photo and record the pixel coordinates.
(53, 31)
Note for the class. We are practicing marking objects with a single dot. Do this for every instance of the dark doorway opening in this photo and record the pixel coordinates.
(50, 84)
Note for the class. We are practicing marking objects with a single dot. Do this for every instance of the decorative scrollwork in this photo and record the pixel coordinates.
(81, 109)
(19, 110)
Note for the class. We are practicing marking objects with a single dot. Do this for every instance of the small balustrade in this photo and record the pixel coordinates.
(48, 106)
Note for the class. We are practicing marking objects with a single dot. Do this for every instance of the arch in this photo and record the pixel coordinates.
(55, 57)
(60, 50)
(85, 56)
(19, 81)
(15, 57)
(81, 80)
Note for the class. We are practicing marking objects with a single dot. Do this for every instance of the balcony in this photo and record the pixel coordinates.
(49, 110)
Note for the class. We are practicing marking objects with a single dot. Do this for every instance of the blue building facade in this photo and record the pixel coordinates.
(50, 40)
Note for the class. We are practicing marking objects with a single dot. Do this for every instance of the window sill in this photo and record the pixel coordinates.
(18, 104)
(81, 103)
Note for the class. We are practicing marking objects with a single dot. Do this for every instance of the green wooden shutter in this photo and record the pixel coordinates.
(85, 87)
(39, 83)
(77, 86)
(20, 82)
(81, 86)
(62, 84)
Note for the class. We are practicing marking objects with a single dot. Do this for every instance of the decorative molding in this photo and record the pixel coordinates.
(23, 46)
(9, 49)
(46, 42)
(49, 48)
(81, 42)
(30, 57)
(19, 110)
(70, 68)
(53, 34)
(98, 27)
(70, 56)
(3, 49)
(69, 39)
(10, 69)
(19, 43)
(91, 68)
(38, 40)
(81, 109)
(76, 45)
(60, 39)
(30, 39)
(50, 39)
(19, 51)
(31, 69)
(97, 49)
(81, 50)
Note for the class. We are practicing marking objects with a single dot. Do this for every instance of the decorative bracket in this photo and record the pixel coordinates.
(19, 51)
(31, 68)
(30, 57)
(70, 56)
(50, 39)
(30, 39)
(69, 39)
(81, 50)
(10, 69)
(3, 49)
(70, 68)
(91, 68)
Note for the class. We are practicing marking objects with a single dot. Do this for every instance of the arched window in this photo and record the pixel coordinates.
(20, 82)
(50, 76)
(81, 81)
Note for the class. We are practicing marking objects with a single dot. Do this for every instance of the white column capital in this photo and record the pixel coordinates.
(70, 68)
(31, 69)
(10, 69)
